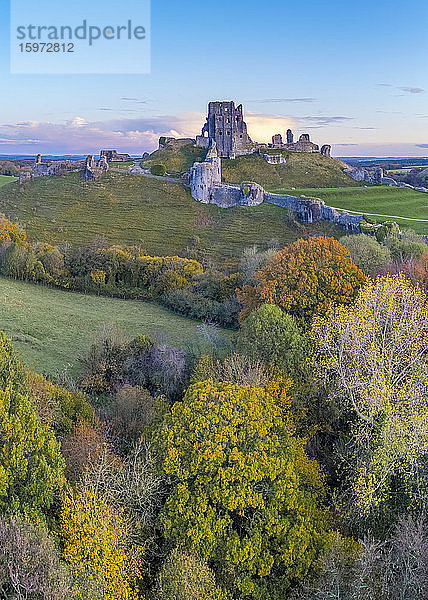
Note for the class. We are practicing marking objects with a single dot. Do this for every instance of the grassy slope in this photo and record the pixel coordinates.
(177, 156)
(384, 200)
(5, 179)
(159, 215)
(300, 170)
(51, 328)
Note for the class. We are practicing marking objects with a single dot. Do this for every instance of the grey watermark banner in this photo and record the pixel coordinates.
(80, 36)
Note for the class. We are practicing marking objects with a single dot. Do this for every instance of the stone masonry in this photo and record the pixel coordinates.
(114, 156)
(226, 127)
(91, 167)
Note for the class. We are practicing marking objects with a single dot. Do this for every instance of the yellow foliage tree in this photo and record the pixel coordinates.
(9, 232)
(96, 545)
(245, 494)
(377, 351)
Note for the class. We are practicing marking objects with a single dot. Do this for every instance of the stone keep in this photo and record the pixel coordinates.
(226, 127)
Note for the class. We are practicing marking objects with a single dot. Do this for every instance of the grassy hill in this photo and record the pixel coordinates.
(159, 215)
(301, 170)
(51, 328)
(5, 179)
(178, 156)
(384, 200)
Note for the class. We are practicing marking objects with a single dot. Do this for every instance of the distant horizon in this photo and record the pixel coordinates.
(137, 155)
(352, 78)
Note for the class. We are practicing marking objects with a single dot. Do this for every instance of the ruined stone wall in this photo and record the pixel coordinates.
(312, 210)
(114, 156)
(204, 176)
(274, 159)
(91, 168)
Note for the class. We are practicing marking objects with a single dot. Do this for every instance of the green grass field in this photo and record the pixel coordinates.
(50, 328)
(384, 200)
(5, 179)
(159, 215)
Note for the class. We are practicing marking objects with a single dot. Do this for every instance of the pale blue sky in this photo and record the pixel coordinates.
(352, 74)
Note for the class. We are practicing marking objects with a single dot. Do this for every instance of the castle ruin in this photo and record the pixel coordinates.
(114, 156)
(206, 186)
(226, 127)
(91, 168)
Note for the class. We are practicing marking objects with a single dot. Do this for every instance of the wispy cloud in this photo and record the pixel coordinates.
(421, 145)
(136, 100)
(282, 100)
(404, 88)
(323, 121)
(412, 90)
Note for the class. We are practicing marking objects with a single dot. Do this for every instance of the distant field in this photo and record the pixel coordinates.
(159, 215)
(4, 179)
(384, 200)
(50, 328)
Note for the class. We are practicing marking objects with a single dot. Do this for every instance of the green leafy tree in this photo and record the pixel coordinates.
(272, 336)
(366, 252)
(185, 576)
(31, 464)
(245, 494)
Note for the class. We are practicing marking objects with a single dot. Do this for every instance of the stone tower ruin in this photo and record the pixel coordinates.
(226, 127)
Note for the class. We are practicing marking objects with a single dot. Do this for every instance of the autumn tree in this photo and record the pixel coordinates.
(95, 539)
(376, 352)
(244, 493)
(306, 278)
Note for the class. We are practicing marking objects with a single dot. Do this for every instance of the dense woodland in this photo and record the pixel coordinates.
(288, 463)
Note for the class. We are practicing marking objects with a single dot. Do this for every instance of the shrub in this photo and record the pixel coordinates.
(159, 170)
